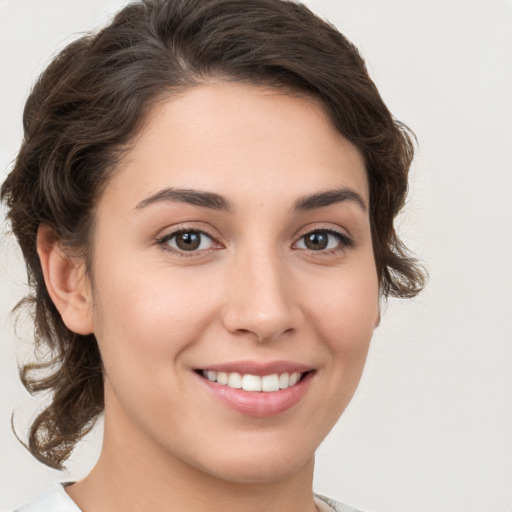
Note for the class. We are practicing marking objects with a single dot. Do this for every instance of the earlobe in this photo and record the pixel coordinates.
(66, 282)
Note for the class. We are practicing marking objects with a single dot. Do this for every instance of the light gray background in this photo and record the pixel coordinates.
(430, 428)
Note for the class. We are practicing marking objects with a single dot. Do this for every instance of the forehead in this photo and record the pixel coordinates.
(241, 141)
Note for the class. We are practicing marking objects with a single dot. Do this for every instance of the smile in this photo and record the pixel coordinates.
(255, 383)
(255, 388)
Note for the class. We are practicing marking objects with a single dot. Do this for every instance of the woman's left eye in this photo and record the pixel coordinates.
(323, 240)
(187, 241)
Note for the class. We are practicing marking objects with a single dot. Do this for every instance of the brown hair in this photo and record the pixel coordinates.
(92, 99)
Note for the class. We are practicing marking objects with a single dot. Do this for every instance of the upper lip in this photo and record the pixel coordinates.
(258, 368)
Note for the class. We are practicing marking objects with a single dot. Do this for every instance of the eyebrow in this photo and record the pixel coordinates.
(215, 201)
(194, 197)
(329, 197)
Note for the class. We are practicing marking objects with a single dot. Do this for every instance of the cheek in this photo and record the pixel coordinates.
(145, 326)
(346, 311)
(143, 318)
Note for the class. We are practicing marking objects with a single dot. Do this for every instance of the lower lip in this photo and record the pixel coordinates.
(260, 404)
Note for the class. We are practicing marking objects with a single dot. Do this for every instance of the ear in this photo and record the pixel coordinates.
(66, 282)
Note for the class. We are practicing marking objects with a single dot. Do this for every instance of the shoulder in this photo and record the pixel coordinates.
(54, 499)
(328, 505)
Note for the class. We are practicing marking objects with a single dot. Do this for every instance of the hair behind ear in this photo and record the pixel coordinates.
(72, 373)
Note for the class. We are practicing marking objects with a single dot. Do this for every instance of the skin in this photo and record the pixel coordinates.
(253, 291)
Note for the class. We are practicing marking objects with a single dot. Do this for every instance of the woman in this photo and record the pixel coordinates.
(205, 200)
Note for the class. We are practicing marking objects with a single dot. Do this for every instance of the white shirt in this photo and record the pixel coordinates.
(56, 499)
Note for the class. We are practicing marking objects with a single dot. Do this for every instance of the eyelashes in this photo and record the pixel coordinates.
(187, 242)
(324, 240)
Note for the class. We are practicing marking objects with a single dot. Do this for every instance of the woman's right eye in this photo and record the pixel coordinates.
(188, 240)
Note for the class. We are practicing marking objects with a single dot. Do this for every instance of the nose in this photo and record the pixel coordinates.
(261, 299)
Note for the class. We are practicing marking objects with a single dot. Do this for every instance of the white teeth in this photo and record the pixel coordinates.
(270, 382)
(294, 377)
(222, 378)
(234, 380)
(284, 380)
(248, 382)
(251, 383)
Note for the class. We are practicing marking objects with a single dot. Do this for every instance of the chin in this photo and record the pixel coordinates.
(268, 471)
(257, 463)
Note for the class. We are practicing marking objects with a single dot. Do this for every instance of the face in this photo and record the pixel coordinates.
(234, 286)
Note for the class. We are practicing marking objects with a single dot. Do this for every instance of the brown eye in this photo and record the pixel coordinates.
(187, 241)
(316, 241)
(324, 240)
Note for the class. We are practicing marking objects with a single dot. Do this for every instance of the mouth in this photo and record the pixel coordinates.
(255, 383)
(259, 390)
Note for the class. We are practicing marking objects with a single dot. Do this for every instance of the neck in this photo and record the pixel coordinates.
(134, 474)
